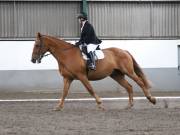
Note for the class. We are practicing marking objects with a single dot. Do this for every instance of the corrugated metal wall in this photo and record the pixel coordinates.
(6, 19)
(116, 19)
(24, 19)
(166, 19)
(111, 19)
(136, 19)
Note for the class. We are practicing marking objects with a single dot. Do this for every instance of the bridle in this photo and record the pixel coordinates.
(42, 55)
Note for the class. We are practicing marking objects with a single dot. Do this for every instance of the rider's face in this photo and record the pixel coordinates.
(79, 20)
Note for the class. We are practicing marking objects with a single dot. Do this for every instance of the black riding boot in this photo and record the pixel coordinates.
(92, 64)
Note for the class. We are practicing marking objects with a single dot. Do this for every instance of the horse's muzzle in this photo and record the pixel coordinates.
(33, 60)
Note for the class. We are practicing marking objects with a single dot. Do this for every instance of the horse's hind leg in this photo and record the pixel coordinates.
(119, 77)
(88, 86)
(141, 84)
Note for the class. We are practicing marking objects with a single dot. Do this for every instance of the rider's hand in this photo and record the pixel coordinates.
(77, 44)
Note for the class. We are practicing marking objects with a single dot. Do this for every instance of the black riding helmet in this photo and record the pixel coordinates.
(82, 16)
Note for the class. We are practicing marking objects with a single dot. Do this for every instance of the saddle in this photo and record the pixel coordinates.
(98, 53)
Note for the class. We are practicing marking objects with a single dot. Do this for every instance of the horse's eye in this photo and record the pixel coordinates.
(37, 45)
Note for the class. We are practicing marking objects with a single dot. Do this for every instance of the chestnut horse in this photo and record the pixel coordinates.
(116, 64)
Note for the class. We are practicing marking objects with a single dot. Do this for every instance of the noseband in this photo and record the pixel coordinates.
(40, 53)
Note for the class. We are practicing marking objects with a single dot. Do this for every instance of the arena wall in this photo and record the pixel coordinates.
(149, 29)
(158, 58)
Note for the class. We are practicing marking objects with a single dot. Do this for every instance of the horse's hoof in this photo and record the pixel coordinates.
(101, 107)
(58, 108)
(129, 106)
(153, 100)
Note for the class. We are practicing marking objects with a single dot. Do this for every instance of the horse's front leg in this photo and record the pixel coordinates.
(88, 86)
(67, 83)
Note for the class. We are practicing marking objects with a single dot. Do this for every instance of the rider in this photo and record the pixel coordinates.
(88, 40)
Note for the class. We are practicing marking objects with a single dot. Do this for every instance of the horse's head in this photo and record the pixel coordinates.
(39, 49)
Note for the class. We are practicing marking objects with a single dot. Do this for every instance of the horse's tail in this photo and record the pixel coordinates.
(140, 73)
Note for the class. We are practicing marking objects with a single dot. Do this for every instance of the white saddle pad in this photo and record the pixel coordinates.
(98, 55)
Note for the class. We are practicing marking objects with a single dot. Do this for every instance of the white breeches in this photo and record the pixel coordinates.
(91, 47)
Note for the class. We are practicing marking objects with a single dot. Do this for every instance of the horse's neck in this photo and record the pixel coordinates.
(57, 47)
(65, 53)
(57, 43)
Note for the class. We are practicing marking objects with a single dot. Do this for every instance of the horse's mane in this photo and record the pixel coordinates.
(58, 39)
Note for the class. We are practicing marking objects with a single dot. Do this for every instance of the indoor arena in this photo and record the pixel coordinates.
(47, 92)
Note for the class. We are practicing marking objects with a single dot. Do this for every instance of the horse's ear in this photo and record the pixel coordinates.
(38, 35)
